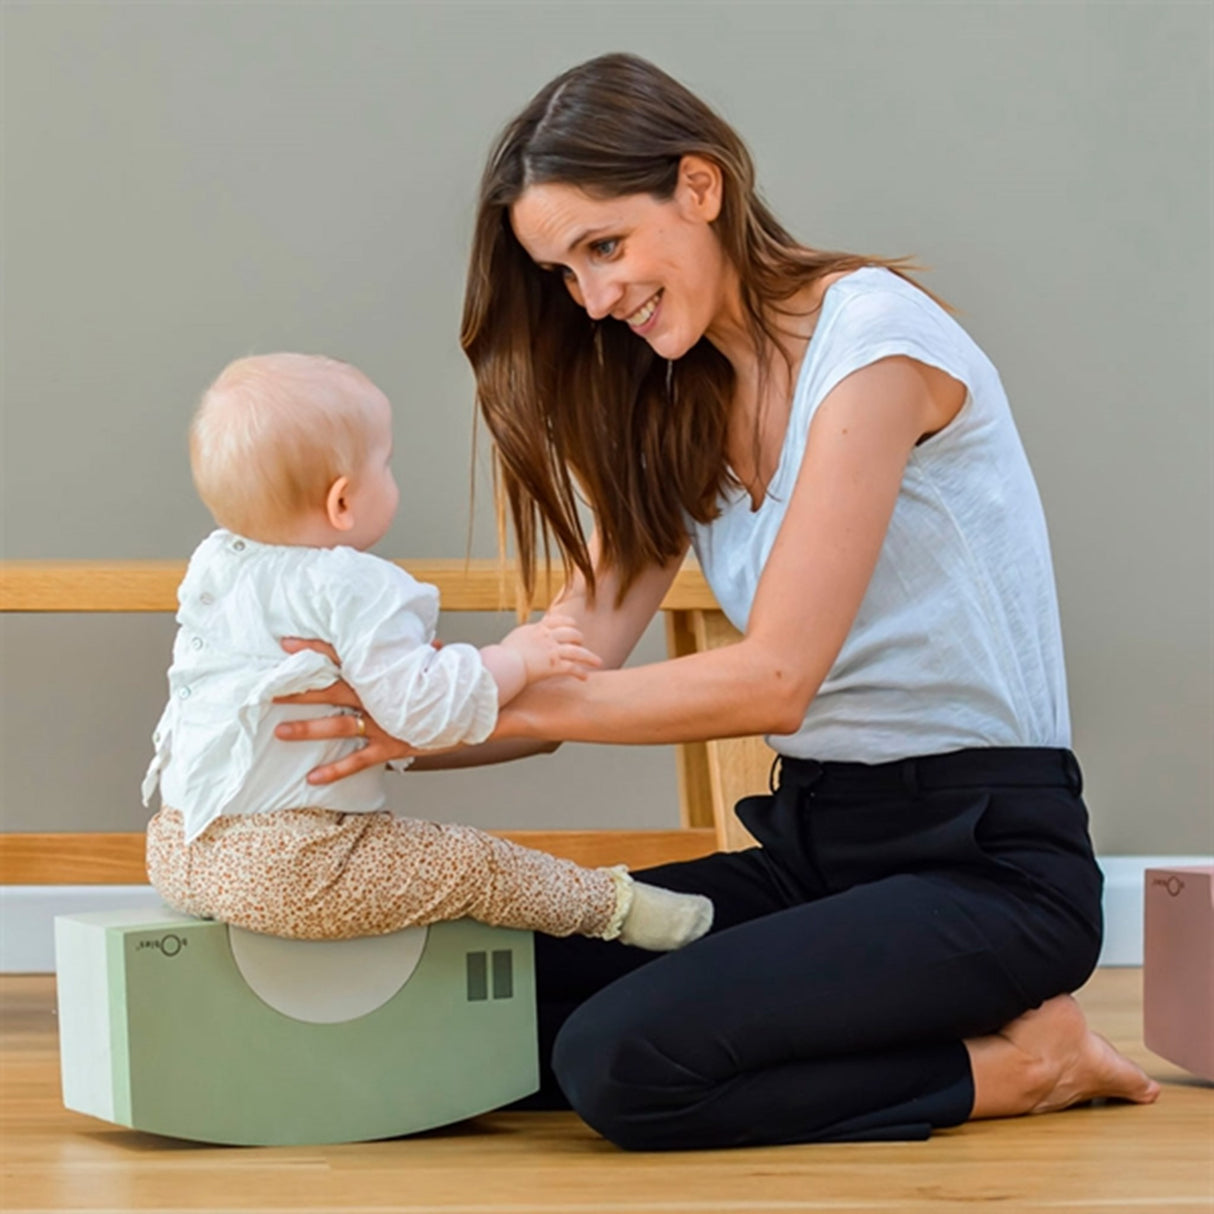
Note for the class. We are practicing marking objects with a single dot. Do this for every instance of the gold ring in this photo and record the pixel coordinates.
(361, 729)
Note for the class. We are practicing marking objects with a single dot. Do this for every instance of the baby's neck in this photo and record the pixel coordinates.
(304, 532)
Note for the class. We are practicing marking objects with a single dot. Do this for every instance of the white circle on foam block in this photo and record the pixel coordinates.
(327, 981)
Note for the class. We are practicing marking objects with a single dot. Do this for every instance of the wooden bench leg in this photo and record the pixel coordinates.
(695, 788)
(713, 776)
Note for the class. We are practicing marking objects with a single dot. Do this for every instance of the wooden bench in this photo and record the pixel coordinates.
(712, 775)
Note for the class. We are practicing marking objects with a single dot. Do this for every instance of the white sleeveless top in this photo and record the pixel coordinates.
(957, 642)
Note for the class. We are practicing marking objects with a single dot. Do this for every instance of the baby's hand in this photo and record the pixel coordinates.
(552, 646)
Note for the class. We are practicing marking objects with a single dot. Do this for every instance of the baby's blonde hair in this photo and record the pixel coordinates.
(273, 433)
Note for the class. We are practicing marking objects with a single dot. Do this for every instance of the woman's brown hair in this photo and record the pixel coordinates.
(573, 404)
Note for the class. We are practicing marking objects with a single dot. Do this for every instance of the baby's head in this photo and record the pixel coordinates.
(295, 449)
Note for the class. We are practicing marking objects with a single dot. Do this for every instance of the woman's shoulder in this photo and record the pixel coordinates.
(874, 310)
(875, 293)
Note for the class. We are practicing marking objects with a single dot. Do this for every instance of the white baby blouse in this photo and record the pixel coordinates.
(215, 747)
(957, 642)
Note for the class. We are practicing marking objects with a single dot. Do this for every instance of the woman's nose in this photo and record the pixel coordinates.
(599, 295)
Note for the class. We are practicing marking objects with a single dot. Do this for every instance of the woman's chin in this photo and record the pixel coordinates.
(668, 345)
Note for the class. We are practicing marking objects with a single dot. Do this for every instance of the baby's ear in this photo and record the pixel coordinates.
(337, 504)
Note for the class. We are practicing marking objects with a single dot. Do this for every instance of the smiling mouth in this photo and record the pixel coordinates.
(644, 313)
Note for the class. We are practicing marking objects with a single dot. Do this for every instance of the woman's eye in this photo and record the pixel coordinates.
(604, 248)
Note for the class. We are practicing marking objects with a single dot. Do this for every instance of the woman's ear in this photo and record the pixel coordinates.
(701, 185)
(337, 505)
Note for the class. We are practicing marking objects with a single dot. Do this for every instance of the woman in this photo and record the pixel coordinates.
(895, 956)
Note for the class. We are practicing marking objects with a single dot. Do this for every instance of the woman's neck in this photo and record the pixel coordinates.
(761, 372)
(764, 384)
(793, 323)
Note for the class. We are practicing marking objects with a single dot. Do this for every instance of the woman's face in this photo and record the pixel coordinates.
(656, 266)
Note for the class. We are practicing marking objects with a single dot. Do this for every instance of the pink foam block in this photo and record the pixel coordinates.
(1178, 967)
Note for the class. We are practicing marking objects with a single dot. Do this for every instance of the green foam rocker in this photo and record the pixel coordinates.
(194, 1029)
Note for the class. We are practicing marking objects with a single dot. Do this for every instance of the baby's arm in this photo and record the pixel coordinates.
(532, 652)
(381, 624)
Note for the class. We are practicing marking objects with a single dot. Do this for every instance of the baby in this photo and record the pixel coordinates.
(291, 453)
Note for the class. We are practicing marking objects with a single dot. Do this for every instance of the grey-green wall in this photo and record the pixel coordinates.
(184, 183)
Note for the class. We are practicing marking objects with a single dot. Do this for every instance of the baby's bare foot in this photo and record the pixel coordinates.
(1078, 1065)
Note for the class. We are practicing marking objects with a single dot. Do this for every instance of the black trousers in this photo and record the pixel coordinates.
(890, 912)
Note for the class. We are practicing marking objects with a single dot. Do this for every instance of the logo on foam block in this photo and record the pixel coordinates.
(1172, 883)
(167, 946)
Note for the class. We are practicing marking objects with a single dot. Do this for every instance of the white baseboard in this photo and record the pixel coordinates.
(27, 918)
(1123, 902)
(27, 912)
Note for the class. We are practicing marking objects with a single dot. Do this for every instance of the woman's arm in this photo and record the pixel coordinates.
(808, 596)
(484, 755)
(609, 630)
(612, 630)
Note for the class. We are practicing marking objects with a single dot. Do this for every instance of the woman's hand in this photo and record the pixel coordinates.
(380, 746)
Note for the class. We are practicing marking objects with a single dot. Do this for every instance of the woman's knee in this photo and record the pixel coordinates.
(622, 1083)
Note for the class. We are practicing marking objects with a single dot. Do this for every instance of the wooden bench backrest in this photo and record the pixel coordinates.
(712, 775)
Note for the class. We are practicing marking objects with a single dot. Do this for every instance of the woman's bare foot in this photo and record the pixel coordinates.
(1048, 1059)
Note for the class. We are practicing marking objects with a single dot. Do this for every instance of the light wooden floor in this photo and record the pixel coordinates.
(1092, 1159)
